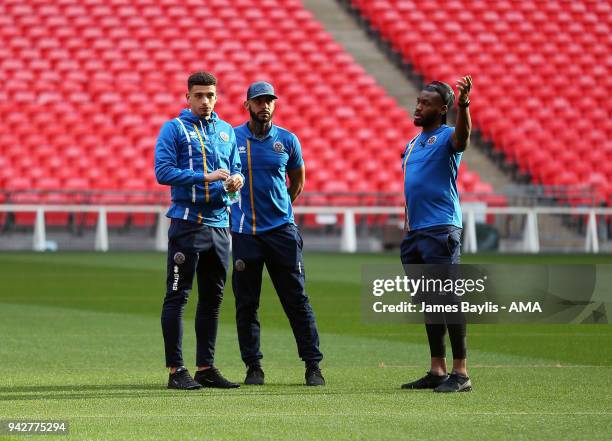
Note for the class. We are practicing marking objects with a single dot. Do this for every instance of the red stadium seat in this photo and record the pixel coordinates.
(98, 78)
(534, 52)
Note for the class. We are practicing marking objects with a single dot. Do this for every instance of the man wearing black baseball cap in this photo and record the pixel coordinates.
(261, 88)
(264, 232)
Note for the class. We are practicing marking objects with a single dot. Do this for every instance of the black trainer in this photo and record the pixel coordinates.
(455, 383)
(429, 381)
(181, 379)
(254, 376)
(211, 377)
(313, 375)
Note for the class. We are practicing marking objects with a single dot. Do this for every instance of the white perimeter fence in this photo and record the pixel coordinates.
(530, 241)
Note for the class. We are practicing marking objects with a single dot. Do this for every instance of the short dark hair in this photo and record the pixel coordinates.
(201, 79)
(445, 92)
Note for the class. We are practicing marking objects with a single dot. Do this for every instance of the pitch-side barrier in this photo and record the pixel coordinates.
(348, 243)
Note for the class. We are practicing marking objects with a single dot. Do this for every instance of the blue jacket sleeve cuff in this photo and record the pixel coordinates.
(198, 178)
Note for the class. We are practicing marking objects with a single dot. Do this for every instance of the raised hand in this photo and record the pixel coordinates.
(464, 85)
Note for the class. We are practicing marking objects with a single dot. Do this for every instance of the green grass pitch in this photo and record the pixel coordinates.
(80, 340)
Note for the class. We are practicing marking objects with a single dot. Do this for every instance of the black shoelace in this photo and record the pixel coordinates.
(314, 370)
(215, 372)
(183, 374)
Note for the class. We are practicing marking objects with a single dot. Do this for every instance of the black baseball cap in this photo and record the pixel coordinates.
(260, 88)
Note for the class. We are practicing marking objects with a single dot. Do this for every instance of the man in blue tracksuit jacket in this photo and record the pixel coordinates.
(264, 232)
(196, 155)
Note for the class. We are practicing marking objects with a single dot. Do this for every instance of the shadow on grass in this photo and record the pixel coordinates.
(80, 387)
(128, 391)
(126, 387)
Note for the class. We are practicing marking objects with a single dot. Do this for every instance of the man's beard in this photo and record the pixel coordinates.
(424, 122)
(256, 118)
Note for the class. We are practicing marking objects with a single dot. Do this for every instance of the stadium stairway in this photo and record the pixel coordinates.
(544, 65)
(80, 74)
(396, 82)
(403, 84)
(94, 61)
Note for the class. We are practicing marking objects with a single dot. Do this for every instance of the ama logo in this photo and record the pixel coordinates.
(525, 307)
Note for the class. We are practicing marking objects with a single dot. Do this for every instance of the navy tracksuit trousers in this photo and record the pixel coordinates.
(281, 251)
(438, 245)
(194, 249)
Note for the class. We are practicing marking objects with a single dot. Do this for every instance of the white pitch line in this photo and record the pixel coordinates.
(506, 366)
(343, 414)
(382, 366)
